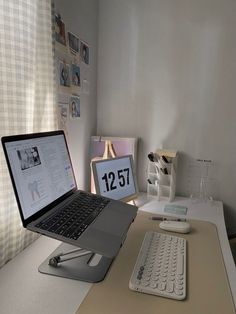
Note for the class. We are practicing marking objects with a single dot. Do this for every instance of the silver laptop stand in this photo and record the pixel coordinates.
(71, 262)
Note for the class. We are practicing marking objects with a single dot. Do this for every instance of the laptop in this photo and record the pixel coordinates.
(50, 203)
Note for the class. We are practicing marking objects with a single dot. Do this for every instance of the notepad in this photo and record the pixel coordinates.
(175, 209)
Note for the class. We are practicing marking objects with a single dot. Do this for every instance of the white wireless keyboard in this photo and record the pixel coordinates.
(160, 268)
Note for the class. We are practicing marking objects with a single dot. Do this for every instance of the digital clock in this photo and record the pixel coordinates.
(115, 178)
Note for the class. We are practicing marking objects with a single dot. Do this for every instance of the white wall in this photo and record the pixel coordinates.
(81, 18)
(166, 74)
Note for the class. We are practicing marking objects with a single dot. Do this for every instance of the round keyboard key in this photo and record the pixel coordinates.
(170, 287)
(144, 283)
(153, 285)
(178, 292)
(161, 286)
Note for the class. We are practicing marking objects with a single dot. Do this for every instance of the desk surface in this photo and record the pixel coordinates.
(24, 290)
(207, 284)
(205, 211)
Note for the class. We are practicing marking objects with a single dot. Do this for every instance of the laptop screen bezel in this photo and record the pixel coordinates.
(96, 181)
(44, 210)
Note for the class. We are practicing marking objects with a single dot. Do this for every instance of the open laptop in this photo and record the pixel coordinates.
(49, 201)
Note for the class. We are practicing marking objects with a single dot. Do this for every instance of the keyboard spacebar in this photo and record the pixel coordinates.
(180, 264)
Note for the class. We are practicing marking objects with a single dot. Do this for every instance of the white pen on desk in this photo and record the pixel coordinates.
(167, 218)
(156, 218)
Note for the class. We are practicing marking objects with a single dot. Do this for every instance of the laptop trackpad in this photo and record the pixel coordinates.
(112, 222)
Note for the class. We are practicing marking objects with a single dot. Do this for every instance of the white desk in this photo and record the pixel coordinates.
(24, 290)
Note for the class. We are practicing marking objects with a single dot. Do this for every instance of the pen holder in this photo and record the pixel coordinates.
(162, 176)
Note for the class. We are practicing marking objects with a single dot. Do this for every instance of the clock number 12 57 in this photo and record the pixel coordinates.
(109, 179)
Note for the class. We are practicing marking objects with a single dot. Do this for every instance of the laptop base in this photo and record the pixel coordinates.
(85, 268)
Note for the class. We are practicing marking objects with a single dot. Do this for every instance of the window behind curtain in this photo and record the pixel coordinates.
(26, 98)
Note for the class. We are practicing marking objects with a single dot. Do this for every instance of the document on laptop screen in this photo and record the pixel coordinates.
(42, 171)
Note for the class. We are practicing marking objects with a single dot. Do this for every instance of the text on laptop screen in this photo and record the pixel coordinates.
(114, 178)
(42, 171)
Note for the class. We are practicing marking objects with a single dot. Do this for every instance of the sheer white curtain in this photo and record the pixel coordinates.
(26, 98)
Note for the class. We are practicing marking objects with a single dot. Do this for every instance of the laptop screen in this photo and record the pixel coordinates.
(41, 169)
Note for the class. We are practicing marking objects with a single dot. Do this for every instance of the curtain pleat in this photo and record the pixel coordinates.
(27, 103)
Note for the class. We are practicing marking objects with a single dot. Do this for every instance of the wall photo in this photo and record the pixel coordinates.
(84, 52)
(64, 74)
(73, 42)
(74, 107)
(62, 114)
(60, 32)
(75, 73)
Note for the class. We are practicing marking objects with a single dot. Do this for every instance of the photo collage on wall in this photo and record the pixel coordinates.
(72, 60)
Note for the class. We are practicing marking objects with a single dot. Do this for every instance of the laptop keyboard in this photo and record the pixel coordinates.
(72, 220)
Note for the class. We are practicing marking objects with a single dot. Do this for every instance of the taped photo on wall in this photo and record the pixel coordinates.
(64, 73)
(84, 52)
(73, 42)
(60, 32)
(74, 107)
(75, 72)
